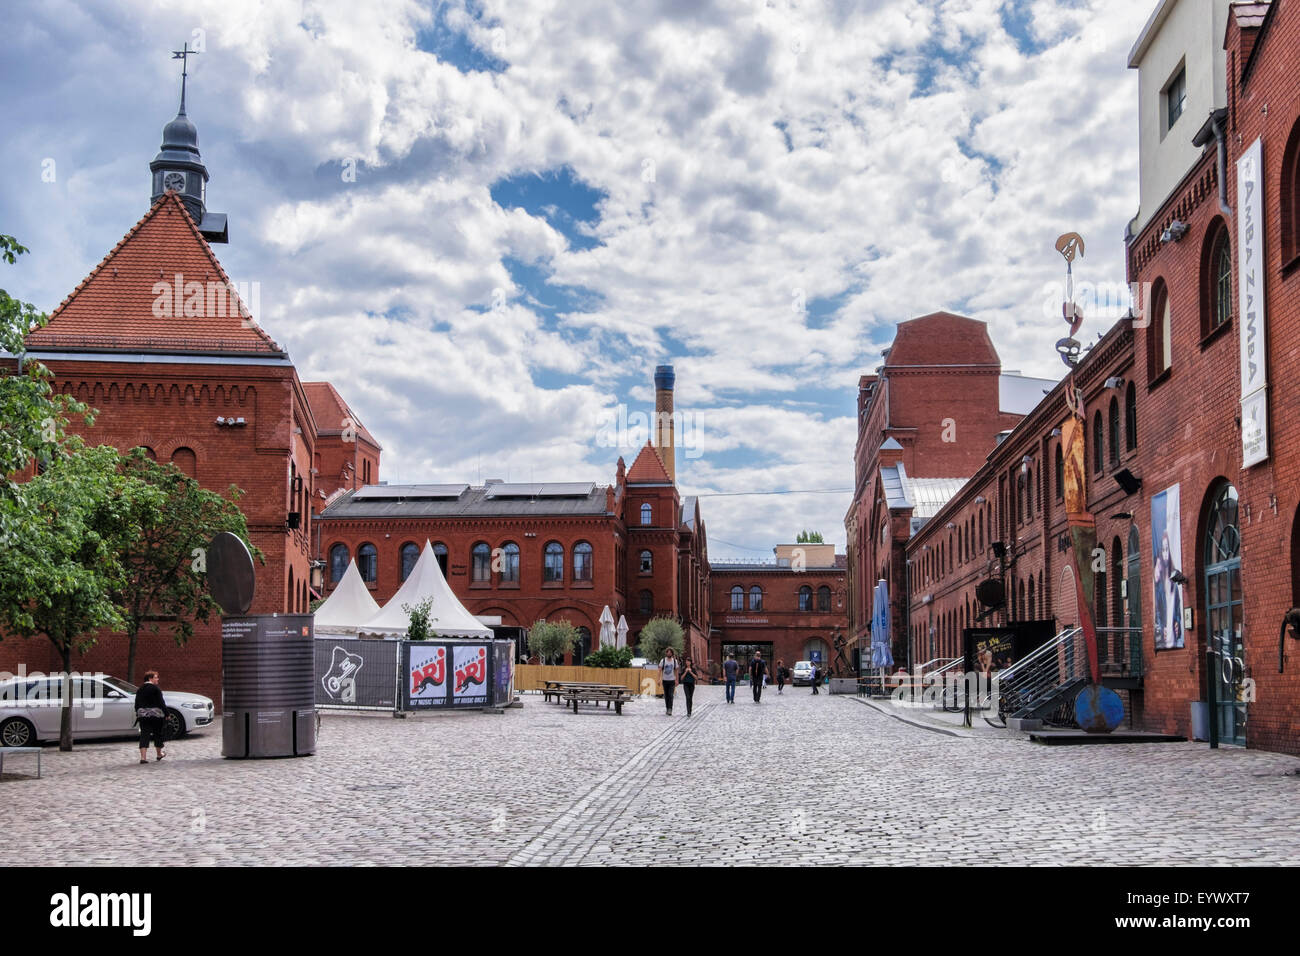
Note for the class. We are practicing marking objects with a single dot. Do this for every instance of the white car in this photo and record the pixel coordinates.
(102, 706)
(802, 674)
(640, 662)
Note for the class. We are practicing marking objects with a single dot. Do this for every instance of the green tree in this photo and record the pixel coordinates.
(809, 537)
(419, 628)
(61, 563)
(659, 634)
(169, 521)
(551, 640)
(35, 418)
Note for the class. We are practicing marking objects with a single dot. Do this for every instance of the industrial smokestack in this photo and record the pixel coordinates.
(665, 439)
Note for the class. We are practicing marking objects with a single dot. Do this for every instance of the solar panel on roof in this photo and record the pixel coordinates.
(558, 489)
(426, 492)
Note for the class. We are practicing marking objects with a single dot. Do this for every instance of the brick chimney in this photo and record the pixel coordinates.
(665, 440)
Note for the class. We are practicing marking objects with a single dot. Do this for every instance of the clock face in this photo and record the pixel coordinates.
(174, 180)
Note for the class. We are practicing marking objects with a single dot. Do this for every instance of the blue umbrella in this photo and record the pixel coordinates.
(881, 656)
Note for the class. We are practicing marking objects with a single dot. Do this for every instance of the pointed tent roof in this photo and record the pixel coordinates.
(447, 616)
(113, 307)
(648, 467)
(348, 607)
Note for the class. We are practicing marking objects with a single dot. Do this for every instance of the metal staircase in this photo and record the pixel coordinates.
(1044, 683)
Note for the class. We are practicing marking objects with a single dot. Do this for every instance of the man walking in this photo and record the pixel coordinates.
(757, 671)
(730, 669)
(816, 676)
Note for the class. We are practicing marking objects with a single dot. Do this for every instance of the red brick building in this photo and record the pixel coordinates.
(159, 340)
(541, 551)
(794, 608)
(347, 455)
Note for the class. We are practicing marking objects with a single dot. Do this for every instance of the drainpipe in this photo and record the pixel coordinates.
(1217, 127)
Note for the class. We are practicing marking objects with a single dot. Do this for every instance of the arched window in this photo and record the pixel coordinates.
(1217, 280)
(1098, 440)
(756, 598)
(582, 561)
(1119, 645)
(647, 603)
(440, 555)
(647, 562)
(481, 562)
(368, 563)
(1134, 585)
(553, 565)
(647, 514)
(1130, 417)
(805, 598)
(1029, 605)
(1289, 196)
(510, 563)
(1060, 473)
(737, 598)
(1159, 333)
(823, 599)
(185, 459)
(410, 554)
(149, 452)
(338, 562)
(1223, 608)
(1113, 422)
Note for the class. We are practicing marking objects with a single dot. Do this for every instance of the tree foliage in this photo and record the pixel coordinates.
(659, 634)
(609, 656)
(420, 628)
(551, 640)
(809, 537)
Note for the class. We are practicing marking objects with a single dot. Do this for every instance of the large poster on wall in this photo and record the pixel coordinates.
(427, 673)
(355, 673)
(470, 677)
(1167, 558)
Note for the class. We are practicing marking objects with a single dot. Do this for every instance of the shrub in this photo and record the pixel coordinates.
(419, 628)
(551, 640)
(609, 656)
(658, 635)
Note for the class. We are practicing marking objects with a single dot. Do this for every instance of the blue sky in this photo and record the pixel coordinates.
(550, 200)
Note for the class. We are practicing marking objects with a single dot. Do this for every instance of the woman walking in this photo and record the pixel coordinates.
(780, 676)
(150, 710)
(668, 677)
(688, 682)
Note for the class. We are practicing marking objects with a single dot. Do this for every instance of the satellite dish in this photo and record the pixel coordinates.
(230, 573)
(992, 593)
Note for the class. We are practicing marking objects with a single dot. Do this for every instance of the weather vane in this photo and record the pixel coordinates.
(183, 55)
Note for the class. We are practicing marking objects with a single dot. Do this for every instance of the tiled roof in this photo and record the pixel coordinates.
(648, 467)
(329, 410)
(113, 307)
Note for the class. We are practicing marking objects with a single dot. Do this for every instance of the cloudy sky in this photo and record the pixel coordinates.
(486, 223)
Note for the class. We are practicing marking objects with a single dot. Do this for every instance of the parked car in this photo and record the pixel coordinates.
(639, 662)
(802, 675)
(102, 706)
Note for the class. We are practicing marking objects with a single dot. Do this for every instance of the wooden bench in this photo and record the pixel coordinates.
(21, 750)
(557, 688)
(610, 694)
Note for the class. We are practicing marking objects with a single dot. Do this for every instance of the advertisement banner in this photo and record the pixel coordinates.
(356, 673)
(470, 675)
(427, 680)
(503, 685)
(1166, 558)
(1250, 303)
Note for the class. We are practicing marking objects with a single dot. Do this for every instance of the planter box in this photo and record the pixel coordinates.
(844, 685)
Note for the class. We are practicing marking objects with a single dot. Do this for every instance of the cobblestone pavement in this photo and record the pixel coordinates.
(796, 780)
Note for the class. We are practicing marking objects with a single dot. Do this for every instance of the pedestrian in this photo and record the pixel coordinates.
(731, 668)
(816, 676)
(150, 711)
(668, 677)
(757, 672)
(688, 682)
(780, 676)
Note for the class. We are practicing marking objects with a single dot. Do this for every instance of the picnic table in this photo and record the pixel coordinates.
(557, 688)
(615, 694)
(21, 750)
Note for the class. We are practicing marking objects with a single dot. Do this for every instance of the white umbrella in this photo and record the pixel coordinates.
(621, 631)
(606, 627)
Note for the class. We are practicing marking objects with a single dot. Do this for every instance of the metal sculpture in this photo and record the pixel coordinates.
(1097, 709)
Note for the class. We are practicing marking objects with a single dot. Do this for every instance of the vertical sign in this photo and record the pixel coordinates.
(1250, 281)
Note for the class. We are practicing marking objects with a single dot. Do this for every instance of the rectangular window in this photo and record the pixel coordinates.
(1175, 97)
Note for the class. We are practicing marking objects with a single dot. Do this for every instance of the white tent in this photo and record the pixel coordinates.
(447, 616)
(348, 607)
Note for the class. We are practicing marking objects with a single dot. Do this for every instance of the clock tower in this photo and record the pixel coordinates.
(179, 168)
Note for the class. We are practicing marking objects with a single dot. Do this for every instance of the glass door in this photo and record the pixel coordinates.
(1223, 617)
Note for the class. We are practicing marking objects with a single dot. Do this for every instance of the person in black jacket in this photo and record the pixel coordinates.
(757, 671)
(150, 710)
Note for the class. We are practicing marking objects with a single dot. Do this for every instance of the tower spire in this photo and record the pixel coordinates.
(183, 54)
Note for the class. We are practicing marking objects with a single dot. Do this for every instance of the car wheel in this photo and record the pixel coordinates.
(173, 725)
(16, 732)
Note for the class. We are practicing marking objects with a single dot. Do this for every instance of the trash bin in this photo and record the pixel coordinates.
(268, 699)
(1200, 720)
